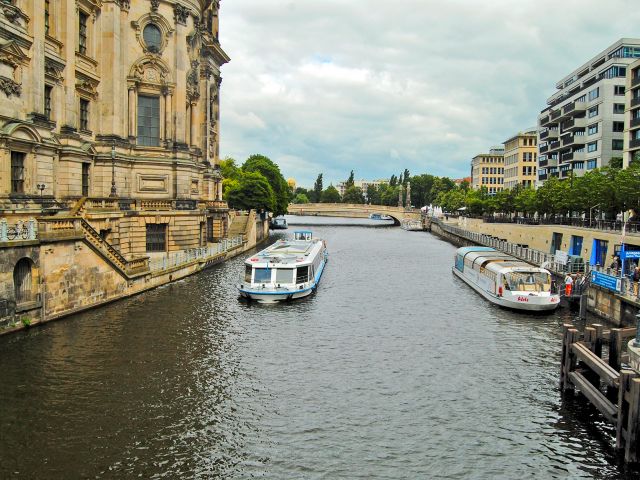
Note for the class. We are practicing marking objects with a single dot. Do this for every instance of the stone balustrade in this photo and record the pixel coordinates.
(18, 232)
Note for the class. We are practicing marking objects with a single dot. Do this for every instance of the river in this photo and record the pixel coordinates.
(394, 369)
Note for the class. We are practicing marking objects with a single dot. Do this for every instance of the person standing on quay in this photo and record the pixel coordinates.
(568, 285)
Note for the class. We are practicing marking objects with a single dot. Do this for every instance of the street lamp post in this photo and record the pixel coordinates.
(114, 192)
(41, 187)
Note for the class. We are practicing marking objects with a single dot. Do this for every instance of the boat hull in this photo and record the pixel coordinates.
(532, 303)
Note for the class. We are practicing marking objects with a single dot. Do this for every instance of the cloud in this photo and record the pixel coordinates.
(378, 86)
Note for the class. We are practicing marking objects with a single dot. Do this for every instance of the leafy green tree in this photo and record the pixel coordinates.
(229, 169)
(525, 201)
(350, 181)
(252, 191)
(353, 195)
(393, 181)
(615, 162)
(317, 189)
(300, 198)
(271, 171)
(421, 186)
(373, 195)
(406, 176)
(389, 196)
(330, 195)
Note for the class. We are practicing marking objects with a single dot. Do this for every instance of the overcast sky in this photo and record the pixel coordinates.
(381, 85)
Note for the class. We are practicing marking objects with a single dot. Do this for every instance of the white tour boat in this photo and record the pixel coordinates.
(286, 270)
(505, 280)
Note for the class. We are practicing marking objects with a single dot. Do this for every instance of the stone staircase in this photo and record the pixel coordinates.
(239, 225)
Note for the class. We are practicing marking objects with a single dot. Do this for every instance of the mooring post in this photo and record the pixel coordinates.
(568, 358)
(615, 348)
(631, 443)
(622, 419)
(583, 306)
(599, 338)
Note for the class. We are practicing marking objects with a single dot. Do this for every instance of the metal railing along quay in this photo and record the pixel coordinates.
(177, 259)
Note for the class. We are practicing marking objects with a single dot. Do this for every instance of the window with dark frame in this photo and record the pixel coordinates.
(148, 121)
(82, 32)
(85, 179)
(47, 101)
(84, 114)
(152, 37)
(47, 25)
(156, 237)
(17, 172)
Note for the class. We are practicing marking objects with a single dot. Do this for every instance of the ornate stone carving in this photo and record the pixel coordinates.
(53, 71)
(125, 5)
(154, 5)
(86, 85)
(180, 14)
(14, 14)
(193, 88)
(9, 87)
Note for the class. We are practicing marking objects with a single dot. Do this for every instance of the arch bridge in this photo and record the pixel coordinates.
(352, 211)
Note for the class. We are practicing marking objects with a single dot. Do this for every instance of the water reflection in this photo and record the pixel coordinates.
(393, 369)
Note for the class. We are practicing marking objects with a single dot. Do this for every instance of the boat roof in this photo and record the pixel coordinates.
(302, 231)
(464, 250)
(286, 251)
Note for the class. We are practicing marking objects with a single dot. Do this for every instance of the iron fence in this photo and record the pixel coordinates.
(183, 257)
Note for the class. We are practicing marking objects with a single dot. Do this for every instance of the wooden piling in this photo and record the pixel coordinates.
(631, 443)
(615, 348)
(599, 339)
(568, 358)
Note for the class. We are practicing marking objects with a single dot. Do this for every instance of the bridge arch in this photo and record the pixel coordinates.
(353, 211)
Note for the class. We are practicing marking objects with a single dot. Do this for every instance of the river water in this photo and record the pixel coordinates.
(394, 369)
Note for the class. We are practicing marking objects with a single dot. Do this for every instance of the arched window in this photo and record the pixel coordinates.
(22, 280)
(152, 37)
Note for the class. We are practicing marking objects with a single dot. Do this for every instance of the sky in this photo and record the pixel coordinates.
(330, 86)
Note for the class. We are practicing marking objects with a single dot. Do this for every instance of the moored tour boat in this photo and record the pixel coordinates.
(278, 223)
(286, 270)
(505, 280)
(379, 216)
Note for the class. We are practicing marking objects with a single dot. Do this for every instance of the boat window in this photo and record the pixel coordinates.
(302, 274)
(262, 275)
(529, 281)
(284, 275)
(247, 273)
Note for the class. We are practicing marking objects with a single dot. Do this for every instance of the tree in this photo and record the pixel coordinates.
(271, 171)
(330, 195)
(300, 198)
(229, 169)
(393, 181)
(350, 181)
(373, 195)
(252, 192)
(317, 189)
(353, 195)
(389, 196)
(406, 176)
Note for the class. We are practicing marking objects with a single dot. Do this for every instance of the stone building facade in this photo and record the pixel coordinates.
(109, 121)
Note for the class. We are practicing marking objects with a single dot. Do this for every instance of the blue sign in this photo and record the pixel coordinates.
(606, 281)
(630, 254)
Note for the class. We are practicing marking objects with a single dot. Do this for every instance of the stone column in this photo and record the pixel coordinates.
(132, 111)
(111, 85)
(35, 93)
(193, 123)
(68, 36)
(167, 116)
(181, 66)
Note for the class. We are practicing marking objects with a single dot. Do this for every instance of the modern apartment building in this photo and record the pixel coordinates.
(487, 170)
(632, 115)
(521, 159)
(582, 127)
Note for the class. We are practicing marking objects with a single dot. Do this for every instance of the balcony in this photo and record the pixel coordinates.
(565, 173)
(570, 139)
(553, 174)
(544, 148)
(543, 176)
(548, 162)
(573, 124)
(550, 134)
(574, 108)
(634, 143)
(555, 114)
(554, 145)
(635, 102)
(573, 156)
(635, 122)
(635, 81)
(544, 120)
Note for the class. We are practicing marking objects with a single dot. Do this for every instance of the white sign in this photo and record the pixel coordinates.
(561, 257)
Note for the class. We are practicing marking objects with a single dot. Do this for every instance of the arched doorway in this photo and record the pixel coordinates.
(23, 280)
